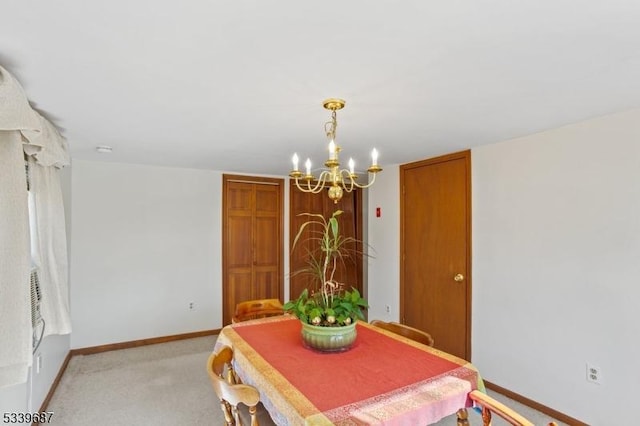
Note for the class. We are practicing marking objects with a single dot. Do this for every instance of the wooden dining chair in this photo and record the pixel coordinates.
(406, 331)
(260, 308)
(240, 403)
(490, 406)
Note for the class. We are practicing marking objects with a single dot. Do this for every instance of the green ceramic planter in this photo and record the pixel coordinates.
(328, 339)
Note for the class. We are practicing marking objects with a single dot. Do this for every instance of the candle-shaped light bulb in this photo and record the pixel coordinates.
(295, 162)
(307, 164)
(352, 165)
(374, 157)
(332, 150)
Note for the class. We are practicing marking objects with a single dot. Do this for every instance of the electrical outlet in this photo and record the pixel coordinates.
(192, 305)
(388, 308)
(38, 363)
(594, 374)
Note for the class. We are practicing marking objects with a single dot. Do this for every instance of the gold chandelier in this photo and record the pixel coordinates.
(338, 180)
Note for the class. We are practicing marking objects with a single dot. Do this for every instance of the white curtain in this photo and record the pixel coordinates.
(23, 131)
(15, 299)
(16, 116)
(50, 236)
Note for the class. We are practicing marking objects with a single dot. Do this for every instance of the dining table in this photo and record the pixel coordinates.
(383, 379)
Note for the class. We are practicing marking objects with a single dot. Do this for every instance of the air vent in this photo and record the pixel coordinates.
(37, 322)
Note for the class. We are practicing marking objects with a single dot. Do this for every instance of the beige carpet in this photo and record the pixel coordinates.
(164, 384)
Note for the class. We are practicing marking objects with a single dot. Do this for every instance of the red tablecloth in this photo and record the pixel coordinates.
(384, 379)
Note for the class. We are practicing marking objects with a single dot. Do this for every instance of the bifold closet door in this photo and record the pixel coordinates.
(252, 240)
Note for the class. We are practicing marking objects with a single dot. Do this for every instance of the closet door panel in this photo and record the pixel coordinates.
(266, 283)
(267, 200)
(266, 234)
(239, 235)
(239, 197)
(238, 287)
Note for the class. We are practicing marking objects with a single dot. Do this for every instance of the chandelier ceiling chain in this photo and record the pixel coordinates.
(337, 180)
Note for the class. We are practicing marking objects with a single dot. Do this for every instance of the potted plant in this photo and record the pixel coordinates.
(329, 310)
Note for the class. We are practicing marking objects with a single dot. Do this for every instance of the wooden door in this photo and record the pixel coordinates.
(252, 241)
(350, 273)
(435, 286)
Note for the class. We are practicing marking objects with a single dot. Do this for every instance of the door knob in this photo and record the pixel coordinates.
(458, 278)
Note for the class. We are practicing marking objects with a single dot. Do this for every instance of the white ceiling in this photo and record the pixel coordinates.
(238, 85)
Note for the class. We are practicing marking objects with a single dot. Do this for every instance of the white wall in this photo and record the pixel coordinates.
(556, 261)
(384, 240)
(556, 243)
(53, 350)
(146, 243)
(14, 398)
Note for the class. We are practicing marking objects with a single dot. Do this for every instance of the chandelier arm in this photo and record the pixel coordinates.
(360, 185)
(373, 179)
(364, 186)
(322, 180)
(316, 188)
(346, 176)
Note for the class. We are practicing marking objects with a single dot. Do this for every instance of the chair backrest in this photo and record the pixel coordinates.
(252, 309)
(491, 406)
(406, 331)
(221, 365)
(231, 394)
